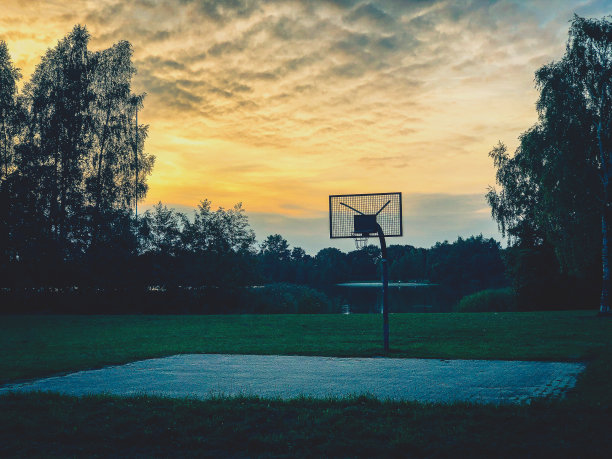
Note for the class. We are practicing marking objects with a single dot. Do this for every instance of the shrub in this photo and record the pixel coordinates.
(289, 299)
(492, 300)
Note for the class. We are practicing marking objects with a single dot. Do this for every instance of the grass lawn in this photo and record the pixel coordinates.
(34, 346)
(53, 425)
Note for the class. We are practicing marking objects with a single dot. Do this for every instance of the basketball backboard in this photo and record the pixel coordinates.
(356, 215)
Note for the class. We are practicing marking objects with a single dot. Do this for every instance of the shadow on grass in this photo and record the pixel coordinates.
(54, 425)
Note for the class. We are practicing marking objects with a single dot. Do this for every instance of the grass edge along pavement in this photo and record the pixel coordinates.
(39, 346)
(54, 425)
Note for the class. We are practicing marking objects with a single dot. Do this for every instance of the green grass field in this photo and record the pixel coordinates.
(53, 425)
(36, 346)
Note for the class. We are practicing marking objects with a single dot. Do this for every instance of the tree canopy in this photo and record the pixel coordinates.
(74, 162)
(555, 189)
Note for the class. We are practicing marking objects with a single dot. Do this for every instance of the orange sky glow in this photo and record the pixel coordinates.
(277, 104)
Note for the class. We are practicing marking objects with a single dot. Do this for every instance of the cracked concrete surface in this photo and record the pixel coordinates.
(272, 376)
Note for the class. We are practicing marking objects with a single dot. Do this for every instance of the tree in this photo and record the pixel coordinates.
(466, 266)
(220, 231)
(556, 187)
(331, 267)
(8, 112)
(160, 229)
(277, 247)
(275, 258)
(58, 97)
(78, 162)
(217, 246)
(363, 263)
(301, 265)
(9, 75)
(407, 262)
(117, 155)
(298, 254)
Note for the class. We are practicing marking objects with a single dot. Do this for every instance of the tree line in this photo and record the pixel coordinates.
(219, 248)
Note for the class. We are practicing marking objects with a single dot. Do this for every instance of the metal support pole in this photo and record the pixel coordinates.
(385, 288)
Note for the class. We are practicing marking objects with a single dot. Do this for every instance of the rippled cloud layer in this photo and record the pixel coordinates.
(279, 103)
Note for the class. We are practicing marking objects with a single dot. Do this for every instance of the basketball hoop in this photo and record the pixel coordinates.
(360, 216)
(360, 242)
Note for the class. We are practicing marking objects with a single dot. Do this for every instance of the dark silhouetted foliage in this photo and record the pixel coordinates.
(555, 190)
(466, 266)
(72, 169)
(492, 300)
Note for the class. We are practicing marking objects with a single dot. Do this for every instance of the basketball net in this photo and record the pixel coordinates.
(361, 242)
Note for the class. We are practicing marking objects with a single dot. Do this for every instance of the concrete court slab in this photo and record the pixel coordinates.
(272, 376)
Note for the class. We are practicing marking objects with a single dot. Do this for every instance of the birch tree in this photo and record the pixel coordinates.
(9, 75)
(556, 187)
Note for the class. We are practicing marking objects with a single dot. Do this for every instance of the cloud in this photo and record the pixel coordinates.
(169, 95)
(226, 10)
(162, 64)
(320, 95)
(370, 15)
(384, 161)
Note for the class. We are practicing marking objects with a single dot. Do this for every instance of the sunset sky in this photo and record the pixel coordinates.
(278, 104)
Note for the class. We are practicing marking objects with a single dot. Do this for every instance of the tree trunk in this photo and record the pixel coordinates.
(96, 216)
(136, 160)
(63, 198)
(4, 144)
(604, 304)
(100, 159)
